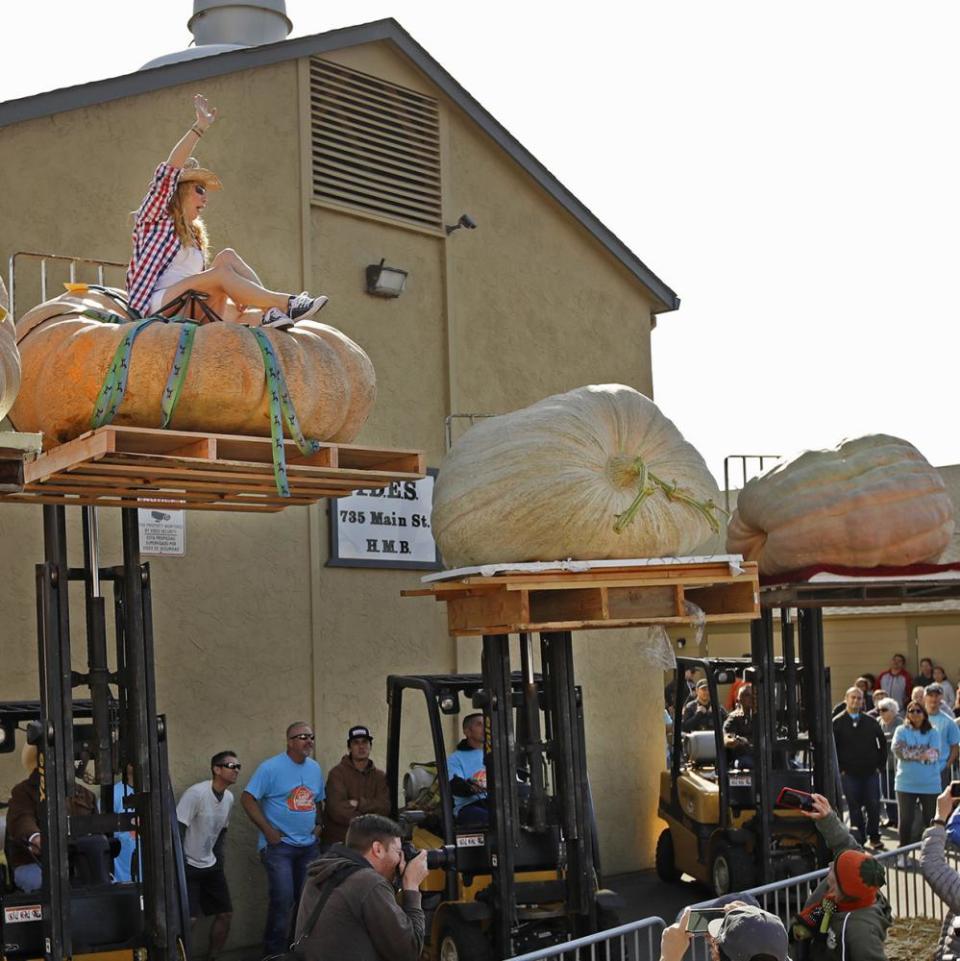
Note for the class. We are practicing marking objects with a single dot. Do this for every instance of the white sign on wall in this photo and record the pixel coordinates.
(389, 527)
(162, 531)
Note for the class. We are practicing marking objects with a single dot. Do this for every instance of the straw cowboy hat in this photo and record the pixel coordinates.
(193, 171)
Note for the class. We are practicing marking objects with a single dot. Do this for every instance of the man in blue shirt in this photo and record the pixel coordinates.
(284, 799)
(946, 727)
(468, 775)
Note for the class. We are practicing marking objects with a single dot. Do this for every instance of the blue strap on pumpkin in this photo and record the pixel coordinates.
(115, 386)
(178, 372)
(281, 408)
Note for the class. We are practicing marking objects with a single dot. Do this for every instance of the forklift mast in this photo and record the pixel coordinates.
(140, 735)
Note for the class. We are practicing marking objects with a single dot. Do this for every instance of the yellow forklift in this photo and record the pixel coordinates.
(727, 824)
(531, 876)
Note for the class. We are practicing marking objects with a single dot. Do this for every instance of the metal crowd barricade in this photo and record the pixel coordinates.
(637, 941)
(909, 894)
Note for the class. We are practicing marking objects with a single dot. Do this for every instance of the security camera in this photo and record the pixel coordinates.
(465, 221)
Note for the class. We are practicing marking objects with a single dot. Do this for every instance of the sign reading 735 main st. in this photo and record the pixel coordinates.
(389, 527)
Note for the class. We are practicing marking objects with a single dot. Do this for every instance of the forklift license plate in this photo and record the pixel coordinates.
(469, 840)
(740, 780)
(29, 912)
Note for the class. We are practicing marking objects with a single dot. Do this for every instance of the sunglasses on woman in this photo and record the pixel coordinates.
(200, 190)
(914, 710)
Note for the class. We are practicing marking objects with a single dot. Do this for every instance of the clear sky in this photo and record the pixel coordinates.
(789, 169)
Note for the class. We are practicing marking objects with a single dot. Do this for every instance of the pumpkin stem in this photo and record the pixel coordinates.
(674, 492)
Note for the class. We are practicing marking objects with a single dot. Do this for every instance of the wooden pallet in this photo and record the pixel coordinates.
(141, 467)
(15, 448)
(599, 598)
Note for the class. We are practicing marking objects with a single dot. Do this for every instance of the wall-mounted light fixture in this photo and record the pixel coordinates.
(384, 281)
(465, 221)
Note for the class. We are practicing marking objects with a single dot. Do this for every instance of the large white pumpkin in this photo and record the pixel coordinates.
(874, 501)
(549, 482)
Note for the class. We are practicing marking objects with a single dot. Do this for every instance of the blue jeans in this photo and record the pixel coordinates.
(863, 791)
(286, 866)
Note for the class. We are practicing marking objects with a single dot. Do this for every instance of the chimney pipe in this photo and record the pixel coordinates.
(244, 23)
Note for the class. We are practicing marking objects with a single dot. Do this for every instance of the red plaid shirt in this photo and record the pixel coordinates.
(155, 240)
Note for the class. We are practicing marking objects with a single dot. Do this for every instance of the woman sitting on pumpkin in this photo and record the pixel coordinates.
(171, 253)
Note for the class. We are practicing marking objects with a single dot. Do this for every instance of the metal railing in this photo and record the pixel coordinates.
(637, 941)
(448, 425)
(907, 891)
(744, 460)
(44, 261)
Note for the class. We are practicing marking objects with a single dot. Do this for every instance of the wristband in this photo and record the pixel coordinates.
(939, 821)
(197, 130)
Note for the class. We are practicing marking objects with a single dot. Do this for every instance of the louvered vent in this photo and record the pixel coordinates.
(376, 146)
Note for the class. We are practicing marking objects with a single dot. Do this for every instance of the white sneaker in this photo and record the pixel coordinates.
(276, 319)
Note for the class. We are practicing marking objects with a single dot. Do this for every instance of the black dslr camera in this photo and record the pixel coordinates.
(443, 857)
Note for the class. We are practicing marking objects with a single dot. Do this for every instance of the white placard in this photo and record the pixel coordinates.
(28, 912)
(162, 531)
(389, 527)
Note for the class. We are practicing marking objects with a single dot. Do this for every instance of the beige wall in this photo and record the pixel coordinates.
(252, 630)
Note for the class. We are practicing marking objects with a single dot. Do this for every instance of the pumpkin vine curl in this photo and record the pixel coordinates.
(649, 484)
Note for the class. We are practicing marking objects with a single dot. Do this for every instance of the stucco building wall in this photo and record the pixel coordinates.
(252, 630)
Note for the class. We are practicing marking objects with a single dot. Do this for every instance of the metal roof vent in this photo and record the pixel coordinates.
(219, 26)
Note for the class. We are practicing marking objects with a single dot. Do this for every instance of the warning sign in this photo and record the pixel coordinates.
(162, 531)
(27, 912)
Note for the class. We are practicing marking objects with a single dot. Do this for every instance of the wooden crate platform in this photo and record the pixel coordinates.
(15, 448)
(141, 467)
(599, 598)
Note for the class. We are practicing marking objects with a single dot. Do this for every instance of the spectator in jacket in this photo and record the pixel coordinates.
(360, 918)
(946, 727)
(942, 877)
(896, 681)
(861, 754)
(355, 786)
(917, 747)
(890, 719)
(689, 687)
(846, 918)
(698, 714)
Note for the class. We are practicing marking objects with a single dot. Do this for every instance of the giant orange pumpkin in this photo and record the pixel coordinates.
(874, 501)
(66, 357)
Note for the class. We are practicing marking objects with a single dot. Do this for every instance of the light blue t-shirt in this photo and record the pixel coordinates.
(467, 764)
(123, 862)
(288, 794)
(917, 777)
(949, 733)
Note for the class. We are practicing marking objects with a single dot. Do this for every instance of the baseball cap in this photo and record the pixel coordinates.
(933, 689)
(744, 932)
(358, 731)
(703, 682)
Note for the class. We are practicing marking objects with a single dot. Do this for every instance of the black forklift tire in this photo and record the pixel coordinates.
(731, 869)
(463, 941)
(665, 861)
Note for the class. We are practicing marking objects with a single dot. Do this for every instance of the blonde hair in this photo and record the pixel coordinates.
(190, 235)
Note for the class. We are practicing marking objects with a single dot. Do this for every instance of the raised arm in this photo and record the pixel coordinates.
(188, 142)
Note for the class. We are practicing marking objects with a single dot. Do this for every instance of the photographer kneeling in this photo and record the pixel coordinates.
(349, 908)
(944, 880)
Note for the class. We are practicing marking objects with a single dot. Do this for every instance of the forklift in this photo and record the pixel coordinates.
(531, 876)
(115, 729)
(725, 826)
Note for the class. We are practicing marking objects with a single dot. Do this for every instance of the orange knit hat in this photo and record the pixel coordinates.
(859, 876)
